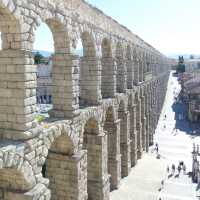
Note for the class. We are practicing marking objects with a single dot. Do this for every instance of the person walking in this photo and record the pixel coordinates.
(179, 169)
(162, 184)
(184, 169)
(157, 148)
(168, 169)
(173, 169)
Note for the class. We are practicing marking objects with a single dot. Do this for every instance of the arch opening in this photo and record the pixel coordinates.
(43, 51)
(65, 71)
(89, 83)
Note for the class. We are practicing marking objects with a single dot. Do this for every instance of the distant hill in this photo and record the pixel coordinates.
(48, 54)
(44, 53)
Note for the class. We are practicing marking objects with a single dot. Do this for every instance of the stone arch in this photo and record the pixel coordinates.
(133, 134)
(16, 175)
(95, 142)
(62, 41)
(123, 115)
(64, 62)
(129, 67)
(90, 76)
(61, 164)
(112, 128)
(89, 49)
(108, 76)
(64, 89)
(121, 69)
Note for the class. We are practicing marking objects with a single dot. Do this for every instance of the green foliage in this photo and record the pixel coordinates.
(40, 118)
(38, 58)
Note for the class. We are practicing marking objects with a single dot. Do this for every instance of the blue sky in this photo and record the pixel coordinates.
(171, 26)
(168, 25)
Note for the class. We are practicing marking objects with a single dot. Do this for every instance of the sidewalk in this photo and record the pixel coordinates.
(144, 180)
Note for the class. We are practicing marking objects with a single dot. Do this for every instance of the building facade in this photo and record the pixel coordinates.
(191, 95)
(44, 83)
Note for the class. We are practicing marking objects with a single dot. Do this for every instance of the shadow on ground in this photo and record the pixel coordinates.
(182, 123)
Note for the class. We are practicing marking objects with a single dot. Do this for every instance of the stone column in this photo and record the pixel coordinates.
(133, 135)
(136, 71)
(18, 95)
(143, 117)
(130, 73)
(69, 180)
(114, 156)
(139, 127)
(144, 68)
(65, 94)
(147, 121)
(141, 73)
(152, 114)
(97, 173)
(125, 143)
(90, 80)
(121, 76)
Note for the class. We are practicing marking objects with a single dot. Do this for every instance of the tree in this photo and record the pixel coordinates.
(181, 66)
(38, 58)
(191, 57)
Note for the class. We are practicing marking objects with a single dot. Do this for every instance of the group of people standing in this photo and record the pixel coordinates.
(181, 166)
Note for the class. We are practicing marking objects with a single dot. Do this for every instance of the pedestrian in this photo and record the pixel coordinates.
(168, 169)
(179, 169)
(162, 184)
(173, 169)
(184, 169)
(156, 148)
(181, 163)
(164, 126)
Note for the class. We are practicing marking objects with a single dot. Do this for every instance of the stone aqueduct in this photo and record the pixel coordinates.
(105, 106)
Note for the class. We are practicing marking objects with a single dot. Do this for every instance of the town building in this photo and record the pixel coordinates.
(44, 82)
